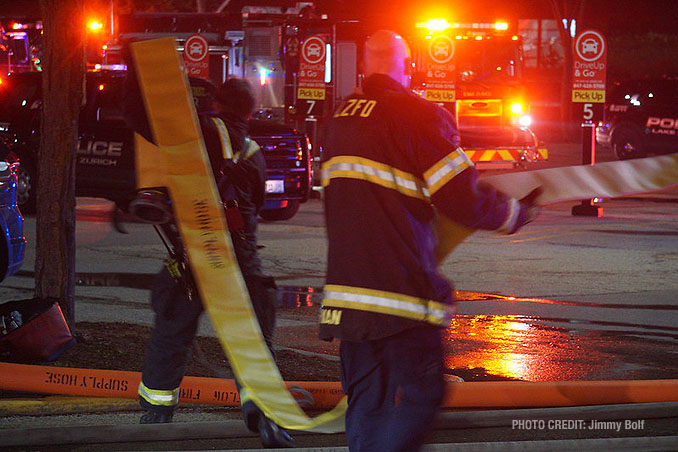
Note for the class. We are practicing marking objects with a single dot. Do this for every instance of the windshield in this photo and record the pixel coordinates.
(487, 60)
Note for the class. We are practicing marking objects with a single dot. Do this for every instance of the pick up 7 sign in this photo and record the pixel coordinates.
(589, 67)
(311, 78)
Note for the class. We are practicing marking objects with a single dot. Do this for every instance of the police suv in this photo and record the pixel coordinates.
(641, 118)
(105, 154)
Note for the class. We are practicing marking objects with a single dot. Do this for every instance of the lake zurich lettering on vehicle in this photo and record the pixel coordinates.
(577, 424)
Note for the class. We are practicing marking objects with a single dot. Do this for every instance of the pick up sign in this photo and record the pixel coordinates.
(589, 67)
(311, 81)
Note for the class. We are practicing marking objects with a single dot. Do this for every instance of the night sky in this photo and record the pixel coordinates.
(612, 16)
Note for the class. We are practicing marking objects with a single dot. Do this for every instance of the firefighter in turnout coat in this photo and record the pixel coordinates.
(240, 171)
(390, 164)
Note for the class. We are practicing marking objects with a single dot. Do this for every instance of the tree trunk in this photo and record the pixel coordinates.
(63, 62)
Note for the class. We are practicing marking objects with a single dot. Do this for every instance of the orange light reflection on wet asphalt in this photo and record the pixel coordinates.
(501, 344)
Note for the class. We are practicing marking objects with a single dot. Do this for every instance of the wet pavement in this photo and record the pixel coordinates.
(532, 349)
(524, 347)
(604, 308)
(566, 298)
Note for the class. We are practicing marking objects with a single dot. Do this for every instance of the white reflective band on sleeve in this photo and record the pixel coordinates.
(511, 218)
(387, 303)
(376, 301)
(371, 171)
(164, 397)
(448, 167)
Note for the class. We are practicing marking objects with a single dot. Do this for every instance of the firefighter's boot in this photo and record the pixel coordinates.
(272, 436)
(157, 417)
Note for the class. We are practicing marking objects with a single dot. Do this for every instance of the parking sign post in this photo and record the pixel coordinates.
(588, 89)
(588, 207)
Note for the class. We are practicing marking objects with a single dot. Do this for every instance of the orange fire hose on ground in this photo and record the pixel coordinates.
(323, 395)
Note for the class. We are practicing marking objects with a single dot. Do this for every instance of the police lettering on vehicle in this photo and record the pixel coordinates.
(641, 118)
(330, 316)
(359, 107)
(664, 126)
(99, 153)
(100, 148)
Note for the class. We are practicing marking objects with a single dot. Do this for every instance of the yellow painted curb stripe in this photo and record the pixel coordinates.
(201, 221)
(64, 405)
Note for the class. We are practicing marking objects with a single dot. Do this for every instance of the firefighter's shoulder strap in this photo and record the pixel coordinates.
(224, 138)
(251, 147)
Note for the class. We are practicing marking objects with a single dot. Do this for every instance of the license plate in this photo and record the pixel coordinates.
(275, 186)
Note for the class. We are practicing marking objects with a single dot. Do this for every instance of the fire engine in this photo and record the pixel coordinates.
(475, 71)
(304, 64)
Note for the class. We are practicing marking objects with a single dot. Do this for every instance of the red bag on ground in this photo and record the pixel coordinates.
(43, 334)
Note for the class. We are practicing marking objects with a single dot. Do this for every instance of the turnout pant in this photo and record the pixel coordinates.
(176, 323)
(394, 386)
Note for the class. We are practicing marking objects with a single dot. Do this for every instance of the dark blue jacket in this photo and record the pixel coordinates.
(390, 162)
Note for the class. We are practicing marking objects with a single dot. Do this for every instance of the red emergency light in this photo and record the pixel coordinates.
(95, 25)
(442, 24)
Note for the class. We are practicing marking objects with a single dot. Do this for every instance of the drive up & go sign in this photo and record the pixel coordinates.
(196, 57)
(311, 78)
(440, 75)
(589, 67)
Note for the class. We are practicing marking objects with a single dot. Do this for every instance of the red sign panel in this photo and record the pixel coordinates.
(440, 75)
(589, 67)
(196, 57)
(311, 78)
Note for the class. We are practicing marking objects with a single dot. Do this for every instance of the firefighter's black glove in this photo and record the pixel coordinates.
(529, 209)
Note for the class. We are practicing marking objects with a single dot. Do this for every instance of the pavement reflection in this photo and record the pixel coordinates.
(527, 348)
(532, 348)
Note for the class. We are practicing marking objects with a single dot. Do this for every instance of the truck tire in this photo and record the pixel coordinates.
(26, 187)
(627, 143)
(281, 214)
